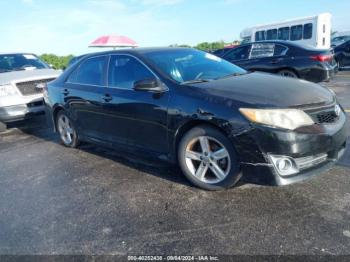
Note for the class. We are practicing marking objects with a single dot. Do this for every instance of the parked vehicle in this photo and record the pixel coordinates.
(314, 31)
(286, 59)
(342, 54)
(222, 51)
(338, 40)
(22, 77)
(215, 119)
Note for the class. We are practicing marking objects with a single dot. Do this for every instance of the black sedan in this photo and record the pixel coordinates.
(214, 119)
(342, 54)
(284, 58)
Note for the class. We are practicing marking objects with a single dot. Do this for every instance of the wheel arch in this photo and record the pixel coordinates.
(55, 111)
(289, 69)
(185, 127)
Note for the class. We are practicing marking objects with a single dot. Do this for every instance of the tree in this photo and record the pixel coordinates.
(206, 46)
(58, 62)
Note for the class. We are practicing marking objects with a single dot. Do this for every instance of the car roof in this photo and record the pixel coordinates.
(136, 51)
(286, 43)
(342, 45)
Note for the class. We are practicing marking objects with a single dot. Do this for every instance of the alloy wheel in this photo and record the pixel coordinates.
(207, 159)
(65, 129)
(287, 74)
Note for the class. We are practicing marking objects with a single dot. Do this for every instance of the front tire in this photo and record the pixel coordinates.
(208, 159)
(66, 130)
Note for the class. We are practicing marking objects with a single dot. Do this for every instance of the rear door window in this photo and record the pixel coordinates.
(262, 50)
(280, 50)
(238, 53)
(283, 33)
(296, 32)
(90, 72)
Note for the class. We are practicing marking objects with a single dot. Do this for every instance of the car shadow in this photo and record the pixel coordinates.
(39, 128)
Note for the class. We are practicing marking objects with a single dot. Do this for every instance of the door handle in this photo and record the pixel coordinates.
(65, 92)
(107, 98)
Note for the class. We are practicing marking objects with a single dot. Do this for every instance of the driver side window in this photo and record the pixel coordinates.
(125, 70)
(238, 53)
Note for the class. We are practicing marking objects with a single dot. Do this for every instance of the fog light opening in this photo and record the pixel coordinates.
(285, 166)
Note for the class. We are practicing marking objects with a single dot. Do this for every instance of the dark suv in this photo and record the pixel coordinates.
(342, 54)
(284, 58)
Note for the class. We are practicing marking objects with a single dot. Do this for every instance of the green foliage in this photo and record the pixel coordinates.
(205, 46)
(209, 46)
(58, 62)
(61, 62)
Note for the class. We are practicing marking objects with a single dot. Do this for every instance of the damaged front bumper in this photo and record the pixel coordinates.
(302, 153)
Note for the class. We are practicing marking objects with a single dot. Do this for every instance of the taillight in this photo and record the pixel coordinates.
(322, 58)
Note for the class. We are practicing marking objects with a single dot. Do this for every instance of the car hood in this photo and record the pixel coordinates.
(267, 91)
(8, 77)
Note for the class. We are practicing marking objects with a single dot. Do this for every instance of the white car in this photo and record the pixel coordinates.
(22, 78)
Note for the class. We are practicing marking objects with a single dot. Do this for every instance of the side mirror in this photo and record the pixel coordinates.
(153, 85)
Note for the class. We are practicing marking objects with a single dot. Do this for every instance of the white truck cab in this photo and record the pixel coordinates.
(22, 78)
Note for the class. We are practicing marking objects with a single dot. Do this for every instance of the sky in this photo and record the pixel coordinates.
(68, 26)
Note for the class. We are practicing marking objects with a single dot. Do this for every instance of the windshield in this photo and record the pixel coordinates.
(184, 65)
(16, 62)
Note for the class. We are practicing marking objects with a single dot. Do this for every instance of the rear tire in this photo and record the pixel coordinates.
(288, 73)
(66, 130)
(208, 159)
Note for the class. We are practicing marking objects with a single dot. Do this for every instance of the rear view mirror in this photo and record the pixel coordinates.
(154, 85)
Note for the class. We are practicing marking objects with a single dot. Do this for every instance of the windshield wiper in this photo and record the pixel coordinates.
(230, 75)
(195, 81)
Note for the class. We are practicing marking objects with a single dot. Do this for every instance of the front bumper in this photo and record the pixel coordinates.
(309, 141)
(21, 111)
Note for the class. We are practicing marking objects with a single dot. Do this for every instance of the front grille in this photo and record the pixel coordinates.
(326, 117)
(30, 87)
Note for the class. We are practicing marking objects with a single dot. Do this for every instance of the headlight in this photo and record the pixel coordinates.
(7, 90)
(283, 118)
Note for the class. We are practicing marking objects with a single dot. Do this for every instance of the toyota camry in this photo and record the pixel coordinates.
(218, 122)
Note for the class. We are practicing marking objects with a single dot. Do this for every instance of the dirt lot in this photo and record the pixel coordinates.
(55, 200)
